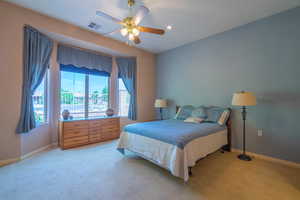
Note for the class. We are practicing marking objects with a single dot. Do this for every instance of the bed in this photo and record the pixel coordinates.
(174, 144)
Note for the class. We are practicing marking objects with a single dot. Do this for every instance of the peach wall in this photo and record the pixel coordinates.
(12, 20)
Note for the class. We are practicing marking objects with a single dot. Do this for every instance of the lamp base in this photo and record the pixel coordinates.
(244, 157)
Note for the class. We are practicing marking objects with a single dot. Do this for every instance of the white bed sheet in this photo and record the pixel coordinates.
(169, 156)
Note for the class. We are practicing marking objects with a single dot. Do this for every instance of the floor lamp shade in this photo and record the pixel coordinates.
(243, 99)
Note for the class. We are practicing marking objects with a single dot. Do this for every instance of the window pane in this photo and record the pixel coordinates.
(72, 93)
(98, 95)
(39, 103)
(124, 99)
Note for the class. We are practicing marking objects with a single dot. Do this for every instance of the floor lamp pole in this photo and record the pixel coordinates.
(243, 156)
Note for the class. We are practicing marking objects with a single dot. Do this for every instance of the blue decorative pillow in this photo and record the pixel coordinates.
(184, 112)
(214, 114)
(200, 112)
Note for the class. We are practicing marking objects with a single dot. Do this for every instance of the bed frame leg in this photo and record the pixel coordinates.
(190, 171)
(225, 148)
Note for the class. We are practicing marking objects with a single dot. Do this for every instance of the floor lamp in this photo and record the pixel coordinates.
(244, 99)
(160, 103)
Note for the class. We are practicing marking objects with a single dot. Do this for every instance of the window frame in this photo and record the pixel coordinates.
(118, 97)
(46, 118)
(86, 93)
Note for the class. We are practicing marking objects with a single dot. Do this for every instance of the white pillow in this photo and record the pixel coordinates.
(224, 117)
(194, 120)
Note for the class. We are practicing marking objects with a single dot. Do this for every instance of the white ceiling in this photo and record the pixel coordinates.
(191, 19)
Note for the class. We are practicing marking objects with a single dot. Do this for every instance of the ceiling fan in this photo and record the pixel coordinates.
(130, 25)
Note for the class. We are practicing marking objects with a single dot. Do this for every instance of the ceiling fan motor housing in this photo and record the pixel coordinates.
(131, 3)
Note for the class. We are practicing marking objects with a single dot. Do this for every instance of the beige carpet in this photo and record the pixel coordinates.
(100, 172)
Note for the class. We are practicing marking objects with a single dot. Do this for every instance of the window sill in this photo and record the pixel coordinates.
(123, 117)
(42, 124)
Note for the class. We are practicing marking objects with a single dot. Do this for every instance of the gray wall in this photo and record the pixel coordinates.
(263, 57)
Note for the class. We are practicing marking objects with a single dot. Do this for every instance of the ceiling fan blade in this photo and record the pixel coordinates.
(136, 40)
(106, 16)
(141, 13)
(112, 32)
(151, 30)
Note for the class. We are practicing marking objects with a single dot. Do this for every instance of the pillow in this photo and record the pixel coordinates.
(194, 120)
(224, 117)
(214, 114)
(199, 112)
(184, 112)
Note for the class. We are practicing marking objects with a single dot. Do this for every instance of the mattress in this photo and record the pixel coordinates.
(177, 154)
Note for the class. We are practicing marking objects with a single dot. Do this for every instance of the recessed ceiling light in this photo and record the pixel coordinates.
(169, 27)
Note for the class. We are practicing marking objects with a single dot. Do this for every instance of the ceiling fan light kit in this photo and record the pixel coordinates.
(131, 3)
(130, 25)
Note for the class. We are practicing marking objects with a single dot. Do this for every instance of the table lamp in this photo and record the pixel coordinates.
(160, 103)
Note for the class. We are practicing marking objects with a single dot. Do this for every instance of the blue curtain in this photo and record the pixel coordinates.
(127, 72)
(37, 50)
(83, 59)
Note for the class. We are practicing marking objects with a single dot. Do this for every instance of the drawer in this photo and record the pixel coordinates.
(76, 124)
(110, 121)
(95, 123)
(112, 128)
(95, 130)
(110, 135)
(76, 141)
(71, 133)
(95, 138)
(105, 126)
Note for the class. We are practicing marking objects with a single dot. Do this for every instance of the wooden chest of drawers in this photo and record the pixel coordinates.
(81, 132)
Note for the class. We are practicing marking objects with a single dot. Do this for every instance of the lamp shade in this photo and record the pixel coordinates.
(243, 99)
(160, 103)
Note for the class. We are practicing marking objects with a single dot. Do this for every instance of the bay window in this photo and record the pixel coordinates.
(84, 92)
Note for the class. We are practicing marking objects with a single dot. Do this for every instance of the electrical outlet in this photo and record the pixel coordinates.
(260, 133)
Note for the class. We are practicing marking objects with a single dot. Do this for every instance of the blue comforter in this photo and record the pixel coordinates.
(174, 132)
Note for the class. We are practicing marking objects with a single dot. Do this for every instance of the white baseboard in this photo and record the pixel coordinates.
(268, 158)
(28, 155)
